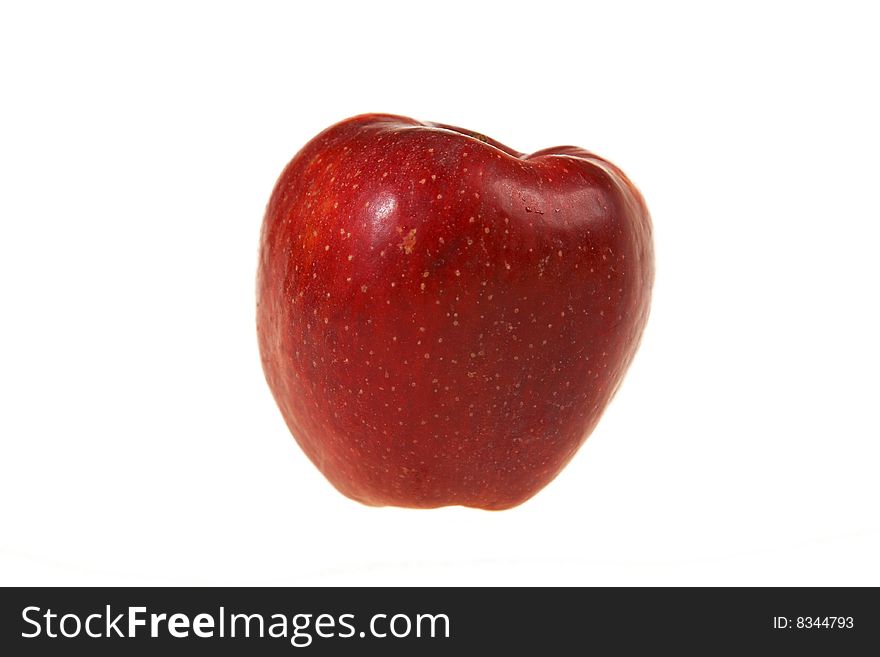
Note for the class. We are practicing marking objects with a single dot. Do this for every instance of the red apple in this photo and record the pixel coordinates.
(441, 319)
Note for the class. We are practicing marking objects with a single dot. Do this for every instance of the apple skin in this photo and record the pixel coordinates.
(443, 320)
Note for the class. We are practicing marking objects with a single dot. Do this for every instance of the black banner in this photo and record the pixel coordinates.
(436, 621)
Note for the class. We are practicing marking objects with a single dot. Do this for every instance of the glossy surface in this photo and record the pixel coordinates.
(441, 319)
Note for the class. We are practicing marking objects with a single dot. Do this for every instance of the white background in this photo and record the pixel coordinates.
(139, 145)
